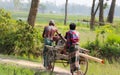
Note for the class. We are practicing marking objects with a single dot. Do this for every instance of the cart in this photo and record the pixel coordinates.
(54, 54)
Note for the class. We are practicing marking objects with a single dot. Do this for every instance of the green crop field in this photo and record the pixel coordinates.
(44, 18)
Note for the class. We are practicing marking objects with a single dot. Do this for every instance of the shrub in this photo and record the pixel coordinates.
(6, 29)
(27, 40)
(111, 47)
(17, 37)
(94, 47)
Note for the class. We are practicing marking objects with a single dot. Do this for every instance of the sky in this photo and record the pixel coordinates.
(81, 2)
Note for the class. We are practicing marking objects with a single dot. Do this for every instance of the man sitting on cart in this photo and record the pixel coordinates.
(72, 37)
(48, 35)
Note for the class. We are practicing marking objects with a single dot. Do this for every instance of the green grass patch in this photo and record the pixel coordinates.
(6, 69)
(94, 69)
(104, 69)
(10, 69)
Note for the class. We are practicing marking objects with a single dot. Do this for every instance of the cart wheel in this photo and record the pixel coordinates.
(84, 65)
(51, 59)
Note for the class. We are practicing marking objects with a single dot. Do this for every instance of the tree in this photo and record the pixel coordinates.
(101, 11)
(93, 13)
(111, 12)
(16, 4)
(66, 6)
(33, 12)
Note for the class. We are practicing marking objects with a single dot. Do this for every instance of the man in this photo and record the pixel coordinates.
(48, 35)
(72, 37)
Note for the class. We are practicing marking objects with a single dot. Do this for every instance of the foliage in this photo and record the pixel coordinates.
(17, 37)
(111, 47)
(6, 28)
(27, 40)
(108, 47)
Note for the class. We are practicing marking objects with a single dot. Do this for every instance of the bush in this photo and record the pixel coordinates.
(6, 30)
(17, 37)
(94, 47)
(109, 47)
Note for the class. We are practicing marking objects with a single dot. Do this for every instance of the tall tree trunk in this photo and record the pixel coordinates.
(111, 12)
(101, 18)
(93, 13)
(92, 22)
(66, 5)
(92, 16)
(33, 12)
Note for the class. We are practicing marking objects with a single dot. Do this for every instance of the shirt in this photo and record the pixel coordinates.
(72, 37)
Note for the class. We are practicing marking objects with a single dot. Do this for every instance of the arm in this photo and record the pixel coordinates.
(43, 33)
(61, 36)
(66, 35)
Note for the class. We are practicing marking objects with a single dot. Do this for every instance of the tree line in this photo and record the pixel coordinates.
(97, 7)
(94, 9)
(101, 6)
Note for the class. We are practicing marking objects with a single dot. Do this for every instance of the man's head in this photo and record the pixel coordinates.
(51, 22)
(72, 26)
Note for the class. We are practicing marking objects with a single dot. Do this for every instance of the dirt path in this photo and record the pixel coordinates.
(25, 63)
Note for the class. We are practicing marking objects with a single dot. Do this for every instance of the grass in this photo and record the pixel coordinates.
(44, 18)
(104, 69)
(94, 69)
(59, 18)
(10, 69)
(7, 69)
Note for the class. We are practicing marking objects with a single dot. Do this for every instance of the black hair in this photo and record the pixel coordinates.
(72, 26)
(51, 22)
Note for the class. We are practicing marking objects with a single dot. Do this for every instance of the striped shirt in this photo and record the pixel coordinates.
(72, 37)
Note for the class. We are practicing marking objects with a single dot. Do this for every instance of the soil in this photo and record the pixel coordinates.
(32, 65)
